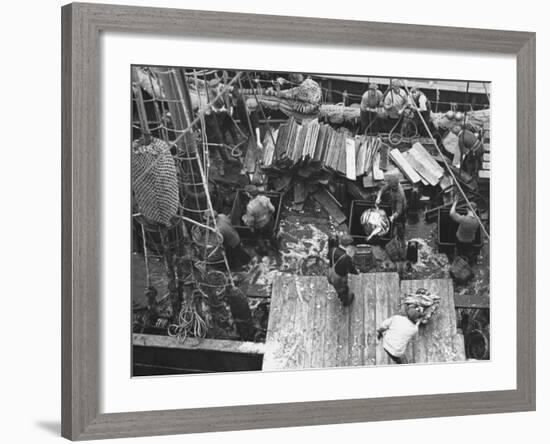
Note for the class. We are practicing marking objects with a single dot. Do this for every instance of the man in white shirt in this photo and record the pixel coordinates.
(396, 332)
(421, 102)
(395, 99)
(371, 102)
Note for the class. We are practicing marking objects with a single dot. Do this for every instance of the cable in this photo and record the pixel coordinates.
(448, 167)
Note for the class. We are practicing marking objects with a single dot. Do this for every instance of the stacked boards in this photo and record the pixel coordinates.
(318, 145)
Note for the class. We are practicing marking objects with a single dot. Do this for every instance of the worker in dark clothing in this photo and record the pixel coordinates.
(234, 251)
(471, 150)
(223, 109)
(247, 111)
(371, 104)
(398, 203)
(468, 225)
(341, 264)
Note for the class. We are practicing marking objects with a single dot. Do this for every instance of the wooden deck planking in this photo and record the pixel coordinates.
(317, 307)
(342, 335)
(309, 328)
(369, 306)
(356, 335)
(303, 295)
(330, 345)
(387, 288)
(436, 340)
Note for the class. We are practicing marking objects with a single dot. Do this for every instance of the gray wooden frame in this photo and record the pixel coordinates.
(81, 165)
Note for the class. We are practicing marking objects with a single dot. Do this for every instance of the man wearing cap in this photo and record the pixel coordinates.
(341, 264)
(423, 105)
(370, 104)
(466, 233)
(259, 216)
(395, 99)
(471, 149)
(398, 203)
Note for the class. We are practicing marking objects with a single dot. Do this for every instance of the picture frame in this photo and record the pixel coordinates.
(81, 182)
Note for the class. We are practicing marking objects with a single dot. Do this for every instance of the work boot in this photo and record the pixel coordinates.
(349, 300)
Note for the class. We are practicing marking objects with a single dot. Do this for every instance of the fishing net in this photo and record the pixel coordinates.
(154, 180)
(422, 301)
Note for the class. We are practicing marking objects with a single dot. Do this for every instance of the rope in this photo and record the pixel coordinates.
(190, 127)
(448, 167)
(145, 255)
(248, 117)
(261, 109)
(190, 322)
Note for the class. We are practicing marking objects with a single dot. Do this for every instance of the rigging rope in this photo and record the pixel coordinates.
(447, 165)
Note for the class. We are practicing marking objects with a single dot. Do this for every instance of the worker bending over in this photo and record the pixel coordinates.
(468, 225)
(234, 251)
(398, 204)
(470, 150)
(259, 217)
(396, 332)
(341, 264)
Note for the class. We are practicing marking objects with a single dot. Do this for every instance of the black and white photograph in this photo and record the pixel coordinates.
(286, 221)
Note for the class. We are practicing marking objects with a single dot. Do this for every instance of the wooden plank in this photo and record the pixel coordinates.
(486, 165)
(304, 292)
(459, 348)
(368, 181)
(342, 156)
(279, 337)
(330, 346)
(282, 140)
(387, 285)
(384, 153)
(486, 157)
(321, 140)
(219, 345)
(307, 139)
(350, 159)
(356, 323)
(423, 156)
(318, 326)
(421, 168)
(360, 160)
(369, 328)
(484, 174)
(330, 206)
(404, 166)
(377, 172)
(252, 153)
(416, 166)
(291, 140)
(342, 334)
(418, 347)
(314, 138)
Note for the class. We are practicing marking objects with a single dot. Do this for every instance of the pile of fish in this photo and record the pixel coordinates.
(422, 301)
(375, 222)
